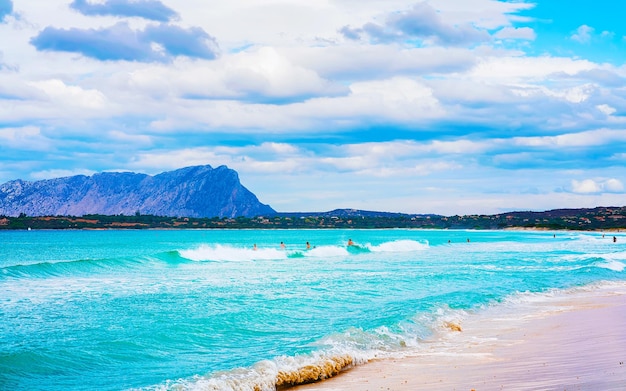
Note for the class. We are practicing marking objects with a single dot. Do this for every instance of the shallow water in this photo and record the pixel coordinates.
(201, 309)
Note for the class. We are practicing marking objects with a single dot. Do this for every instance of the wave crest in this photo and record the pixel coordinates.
(220, 252)
(400, 246)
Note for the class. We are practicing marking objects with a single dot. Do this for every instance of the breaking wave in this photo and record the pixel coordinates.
(219, 252)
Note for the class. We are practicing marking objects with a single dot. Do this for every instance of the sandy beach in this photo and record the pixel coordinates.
(575, 341)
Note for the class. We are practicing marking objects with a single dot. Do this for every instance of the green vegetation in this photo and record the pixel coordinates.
(602, 218)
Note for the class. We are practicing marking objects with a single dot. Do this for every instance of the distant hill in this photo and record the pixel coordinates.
(200, 191)
(343, 213)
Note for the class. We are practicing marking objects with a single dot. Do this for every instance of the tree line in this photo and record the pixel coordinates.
(601, 218)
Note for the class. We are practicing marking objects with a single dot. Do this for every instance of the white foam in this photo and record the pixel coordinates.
(616, 266)
(400, 246)
(327, 251)
(229, 253)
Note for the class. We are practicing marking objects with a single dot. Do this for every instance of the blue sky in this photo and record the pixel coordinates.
(437, 106)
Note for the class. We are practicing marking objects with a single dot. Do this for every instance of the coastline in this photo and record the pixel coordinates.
(572, 341)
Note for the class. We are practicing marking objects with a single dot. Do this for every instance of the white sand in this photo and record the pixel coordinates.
(569, 342)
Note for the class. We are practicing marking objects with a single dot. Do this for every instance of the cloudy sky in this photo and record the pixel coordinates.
(436, 106)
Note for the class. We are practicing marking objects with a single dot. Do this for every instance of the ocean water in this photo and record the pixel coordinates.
(203, 310)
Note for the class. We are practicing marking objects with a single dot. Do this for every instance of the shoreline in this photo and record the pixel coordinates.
(572, 341)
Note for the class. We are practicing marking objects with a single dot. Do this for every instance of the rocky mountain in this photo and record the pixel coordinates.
(200, 191)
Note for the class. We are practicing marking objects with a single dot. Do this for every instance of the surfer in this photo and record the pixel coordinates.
(350, 242)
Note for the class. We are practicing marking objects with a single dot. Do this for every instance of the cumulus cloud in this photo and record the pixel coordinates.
(606, 109)
(586, 186)
(583, 34)
(263, 76)
(147, 9)
(421, 22)
(6, 8)
(119, 42)
(71, 96)
(594, 186)
(613, 185)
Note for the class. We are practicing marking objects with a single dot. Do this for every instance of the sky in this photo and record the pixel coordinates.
(437, 106)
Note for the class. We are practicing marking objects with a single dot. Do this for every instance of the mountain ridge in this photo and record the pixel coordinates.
(195, 191)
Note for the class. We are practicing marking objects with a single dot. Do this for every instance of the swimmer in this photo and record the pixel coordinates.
(350, 242)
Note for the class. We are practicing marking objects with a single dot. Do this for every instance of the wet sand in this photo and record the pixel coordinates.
(567, 342)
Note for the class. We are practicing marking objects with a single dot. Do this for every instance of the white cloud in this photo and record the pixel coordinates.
(459, 147)
(127, 138)
(19, 134)
(60, 173)
(613, 185)
(358, 62)
(586, 186)
(396, 100)
(252, 75)
(583, 34)
(512, 70)
(577, 94)
(579, 139)
(526, 33)
(65, 95)
(486, 14)
(593, 186)
(606, 109)
(28, 138)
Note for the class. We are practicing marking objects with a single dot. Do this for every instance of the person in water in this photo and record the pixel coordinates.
(308, 245)
(350, 242)
(282, 245)
(254, 247)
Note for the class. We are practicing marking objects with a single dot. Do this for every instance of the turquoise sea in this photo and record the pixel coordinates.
(203, 310)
